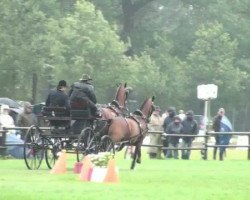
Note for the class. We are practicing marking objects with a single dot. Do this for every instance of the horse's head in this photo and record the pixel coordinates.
(122, 95)
(148, 107)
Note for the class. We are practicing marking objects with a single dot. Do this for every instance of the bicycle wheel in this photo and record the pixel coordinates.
(86, 143)
(33, 148)
(107, 145)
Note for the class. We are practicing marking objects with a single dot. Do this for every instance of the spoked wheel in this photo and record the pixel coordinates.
(86, 143)
(52, 147)
(107, 145)
(33, 148)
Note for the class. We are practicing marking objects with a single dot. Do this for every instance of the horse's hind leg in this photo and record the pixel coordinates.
(134, 158)
(139, 153)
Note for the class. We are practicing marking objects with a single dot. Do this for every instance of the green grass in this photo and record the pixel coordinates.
(153, 179)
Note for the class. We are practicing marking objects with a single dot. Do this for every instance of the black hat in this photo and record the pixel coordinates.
(62, 83)
(177, 117)
(171, 109)
(190, 112)
(85, 77)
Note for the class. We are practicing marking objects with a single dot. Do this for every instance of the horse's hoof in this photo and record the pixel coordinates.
(138, 161)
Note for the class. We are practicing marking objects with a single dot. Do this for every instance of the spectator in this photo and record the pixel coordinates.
(182, 115)
(164, 115)
(221, 124)
(167, 121)
(11, 138)
(174, 127)
(190, 127)
(155, 124)
(26, 118)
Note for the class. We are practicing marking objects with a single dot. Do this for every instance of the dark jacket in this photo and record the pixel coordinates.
(174, 129)
(166, 122)
(190, 127)
(216, 123)
(82, 90)
(57, 98)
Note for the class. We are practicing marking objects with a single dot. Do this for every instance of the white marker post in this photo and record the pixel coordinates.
(206, 93)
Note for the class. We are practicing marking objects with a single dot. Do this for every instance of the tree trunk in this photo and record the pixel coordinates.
(34, 88)
(128, 20)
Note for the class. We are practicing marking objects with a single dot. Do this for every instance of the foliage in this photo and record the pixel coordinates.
(101, 159)
(212, 60)
(159, 47)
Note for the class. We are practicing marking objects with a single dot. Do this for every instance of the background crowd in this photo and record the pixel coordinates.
(182, 124)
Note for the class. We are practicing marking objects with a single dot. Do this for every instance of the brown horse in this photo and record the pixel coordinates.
(118, 106)
(132, 129)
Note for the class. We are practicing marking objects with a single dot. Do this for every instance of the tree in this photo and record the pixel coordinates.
(212, 60)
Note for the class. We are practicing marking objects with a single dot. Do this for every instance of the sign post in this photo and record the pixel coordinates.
(206, 93)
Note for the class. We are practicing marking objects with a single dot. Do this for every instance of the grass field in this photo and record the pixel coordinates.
(153, 179)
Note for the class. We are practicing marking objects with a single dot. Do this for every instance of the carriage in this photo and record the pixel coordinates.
(76, 131)
(96, 134)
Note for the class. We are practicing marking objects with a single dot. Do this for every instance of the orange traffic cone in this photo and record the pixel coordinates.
(87, 168)
(112, 174)
(60, 166)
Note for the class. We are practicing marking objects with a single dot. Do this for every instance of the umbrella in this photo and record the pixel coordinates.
(11, 103)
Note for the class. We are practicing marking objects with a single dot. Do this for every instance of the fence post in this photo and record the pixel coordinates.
(248, 156)
(205, 146)
(2, 143)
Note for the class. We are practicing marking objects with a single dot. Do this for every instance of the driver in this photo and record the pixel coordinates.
(83, 91)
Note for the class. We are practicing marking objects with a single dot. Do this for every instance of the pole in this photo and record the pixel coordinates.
(205, 129)
(248, 156)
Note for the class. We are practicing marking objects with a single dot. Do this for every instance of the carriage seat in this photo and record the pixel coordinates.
(80, 110)
(56, 113)
(59, 117)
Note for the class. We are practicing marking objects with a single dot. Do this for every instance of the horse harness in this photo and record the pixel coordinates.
(142, 131)
(116, 108)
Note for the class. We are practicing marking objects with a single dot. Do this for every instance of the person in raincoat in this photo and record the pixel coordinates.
(155, 124)
(26, 119)
(11, 138)
(221, 124)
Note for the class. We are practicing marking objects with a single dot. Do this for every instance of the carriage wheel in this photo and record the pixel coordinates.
(107, 145)
(86, 143)
(33, 148)
(52, 147)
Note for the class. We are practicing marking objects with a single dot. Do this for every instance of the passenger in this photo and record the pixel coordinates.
(58, 98)
(26, 119)
(83, 92)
